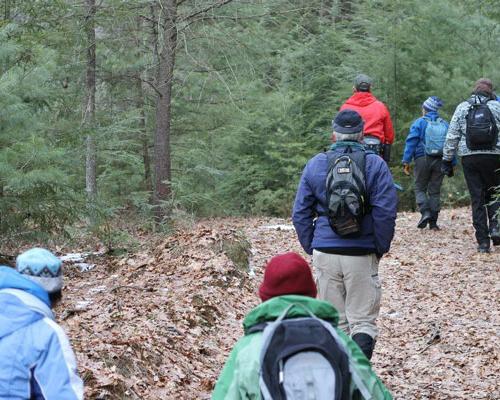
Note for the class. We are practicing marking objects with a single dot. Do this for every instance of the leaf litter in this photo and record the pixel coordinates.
(159, 324)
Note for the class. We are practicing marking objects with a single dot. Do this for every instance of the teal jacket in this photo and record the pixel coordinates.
(240, 377)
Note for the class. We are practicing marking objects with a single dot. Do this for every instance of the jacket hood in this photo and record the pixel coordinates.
(11, 279)
(273, 308)
(22, 301)
(361, 99)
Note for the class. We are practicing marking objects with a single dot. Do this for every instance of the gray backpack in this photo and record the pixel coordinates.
(304, 358)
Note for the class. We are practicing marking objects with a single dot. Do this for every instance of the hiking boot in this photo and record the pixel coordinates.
(365, 343)
(424, 220)
(495, 236)
(483, 247)
(434, 226)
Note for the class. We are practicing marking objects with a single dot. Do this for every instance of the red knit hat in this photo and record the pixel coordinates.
(287, 273)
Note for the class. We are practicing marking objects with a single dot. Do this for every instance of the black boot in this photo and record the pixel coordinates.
(365, 343)
(495, 236)
(433, 222)
(484, 247)
(426, 217)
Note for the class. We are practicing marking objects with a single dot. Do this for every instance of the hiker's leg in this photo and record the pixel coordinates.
(330, 283)
(491, 176)
(472, 171)
(422, 176)
(434, 187)
(363, 293)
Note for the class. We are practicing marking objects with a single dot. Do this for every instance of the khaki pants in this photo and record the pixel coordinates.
(352, 285)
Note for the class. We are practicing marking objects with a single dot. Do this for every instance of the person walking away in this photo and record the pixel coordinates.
(344, 214)
(288, 299)
(473, 135)
(424, 144)
(375, 114)
(36, 360)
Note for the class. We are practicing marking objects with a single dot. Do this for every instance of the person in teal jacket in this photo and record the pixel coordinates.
(287, 280)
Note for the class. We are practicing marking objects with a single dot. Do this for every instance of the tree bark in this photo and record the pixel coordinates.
(89, 106)
(165, 71)
(142, 117)
(6, 4)
(144, 135)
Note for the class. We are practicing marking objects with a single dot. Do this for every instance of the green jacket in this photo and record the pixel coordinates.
(240, 377)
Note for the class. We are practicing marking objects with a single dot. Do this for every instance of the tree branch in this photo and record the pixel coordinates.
(206, 9)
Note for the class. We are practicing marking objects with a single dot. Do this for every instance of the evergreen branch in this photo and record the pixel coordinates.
(205, 10)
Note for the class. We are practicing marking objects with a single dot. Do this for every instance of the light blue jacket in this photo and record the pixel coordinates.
(36, 360)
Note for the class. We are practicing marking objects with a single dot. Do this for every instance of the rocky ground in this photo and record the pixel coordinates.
(159, 324)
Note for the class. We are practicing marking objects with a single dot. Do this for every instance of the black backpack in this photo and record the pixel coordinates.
(481, 131)
(346, 195)
(303, 358)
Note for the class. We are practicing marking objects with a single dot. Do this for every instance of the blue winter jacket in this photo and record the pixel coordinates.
(36, 360)
(415, 141)
(377, 226)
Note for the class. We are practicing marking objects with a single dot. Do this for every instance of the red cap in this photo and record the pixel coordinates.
(287, 273)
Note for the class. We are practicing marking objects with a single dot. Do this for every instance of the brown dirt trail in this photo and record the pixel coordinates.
(160, 324)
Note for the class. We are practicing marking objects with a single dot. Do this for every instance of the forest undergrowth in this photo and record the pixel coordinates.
(160, 323)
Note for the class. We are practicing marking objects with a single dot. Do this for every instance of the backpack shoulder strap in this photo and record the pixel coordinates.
(331, 157)
(359, 157)
(257, 328)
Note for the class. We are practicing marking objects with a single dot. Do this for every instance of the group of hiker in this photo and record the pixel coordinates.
(299, 347)
(312, 336)
(472, 134)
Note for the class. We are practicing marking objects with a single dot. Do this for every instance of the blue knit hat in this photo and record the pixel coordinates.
(42, 267)
(433, 103)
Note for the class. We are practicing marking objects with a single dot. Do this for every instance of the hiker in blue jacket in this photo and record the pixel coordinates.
(424, 144)
(36, 360)
(347, 268)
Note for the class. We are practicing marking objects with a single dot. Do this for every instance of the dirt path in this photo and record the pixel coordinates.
(440, 314)
(160, 325)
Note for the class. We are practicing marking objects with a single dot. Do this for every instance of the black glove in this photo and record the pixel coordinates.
(447, 168)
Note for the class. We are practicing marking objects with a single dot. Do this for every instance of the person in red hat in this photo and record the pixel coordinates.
(287, 291)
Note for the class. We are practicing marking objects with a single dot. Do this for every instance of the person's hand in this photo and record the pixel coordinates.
(447, 168)
(406, 169)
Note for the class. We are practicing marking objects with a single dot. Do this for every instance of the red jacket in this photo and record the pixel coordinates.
(375, 114)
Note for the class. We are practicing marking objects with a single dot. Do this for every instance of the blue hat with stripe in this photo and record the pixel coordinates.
(433, 103)
(42, 267)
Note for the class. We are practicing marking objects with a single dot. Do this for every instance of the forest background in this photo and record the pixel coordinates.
(151, 111)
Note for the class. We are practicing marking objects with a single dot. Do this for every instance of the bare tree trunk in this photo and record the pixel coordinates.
(144, 135)
(165, 72)
(89, 107)
(6, 13)
(142, 117)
